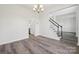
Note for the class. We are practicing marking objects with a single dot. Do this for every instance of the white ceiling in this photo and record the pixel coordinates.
(49, 7)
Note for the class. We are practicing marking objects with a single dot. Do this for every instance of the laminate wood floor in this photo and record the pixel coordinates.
(38, 45)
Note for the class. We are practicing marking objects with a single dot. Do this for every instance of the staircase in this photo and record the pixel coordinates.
(66, 37)
(69, 37)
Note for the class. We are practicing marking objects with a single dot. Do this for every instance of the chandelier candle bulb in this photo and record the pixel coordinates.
(41, 6)
(42, 9)
(38, 8)
(35, 6)
(34, 9)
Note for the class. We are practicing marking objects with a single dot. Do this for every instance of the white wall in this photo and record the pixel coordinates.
(13, 23)
(37, 26)
(67, 18)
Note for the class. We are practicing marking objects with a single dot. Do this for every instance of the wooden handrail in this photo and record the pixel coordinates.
(55, 22)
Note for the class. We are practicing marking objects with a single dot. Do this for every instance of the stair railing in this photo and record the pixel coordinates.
(59, 27)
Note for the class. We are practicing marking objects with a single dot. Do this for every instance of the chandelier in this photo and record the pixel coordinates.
(38, 8)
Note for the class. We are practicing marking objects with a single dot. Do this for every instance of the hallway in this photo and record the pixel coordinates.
(56, 29)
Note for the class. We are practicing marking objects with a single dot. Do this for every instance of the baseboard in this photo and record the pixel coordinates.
(13, 41)
(69, 32)
(47, 37)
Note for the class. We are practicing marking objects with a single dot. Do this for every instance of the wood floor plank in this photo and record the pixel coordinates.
(41, 49)
(20, 49)
(38, 45)
(59, 43)
(56, 47)
(34, 47)
(2, 49)
(8, 49)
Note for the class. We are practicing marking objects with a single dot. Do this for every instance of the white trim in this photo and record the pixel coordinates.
(13, 41)
(58, 38)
